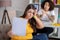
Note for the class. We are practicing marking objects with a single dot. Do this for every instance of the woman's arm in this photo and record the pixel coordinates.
(38, 21)
(51, 17)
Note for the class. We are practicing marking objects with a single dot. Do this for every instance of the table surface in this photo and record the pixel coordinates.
(50, 25)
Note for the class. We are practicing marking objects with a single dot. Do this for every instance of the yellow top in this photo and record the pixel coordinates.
(29, 32)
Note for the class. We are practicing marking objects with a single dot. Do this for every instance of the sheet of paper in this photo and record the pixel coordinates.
(19, 26)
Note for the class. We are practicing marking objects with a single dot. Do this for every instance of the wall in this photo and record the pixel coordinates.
(16, 9)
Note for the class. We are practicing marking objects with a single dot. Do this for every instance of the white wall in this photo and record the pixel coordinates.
(16, 9)
(19, 4)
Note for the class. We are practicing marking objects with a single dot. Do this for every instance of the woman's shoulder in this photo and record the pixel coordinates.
(52, 12)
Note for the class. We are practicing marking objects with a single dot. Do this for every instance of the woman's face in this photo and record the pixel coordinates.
(29, 14)
(46, 6)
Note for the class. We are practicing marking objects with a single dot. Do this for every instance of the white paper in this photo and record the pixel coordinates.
(19, 26)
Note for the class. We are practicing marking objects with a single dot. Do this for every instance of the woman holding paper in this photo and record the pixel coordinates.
(33, 22)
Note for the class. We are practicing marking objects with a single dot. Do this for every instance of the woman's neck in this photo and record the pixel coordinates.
(46, 10)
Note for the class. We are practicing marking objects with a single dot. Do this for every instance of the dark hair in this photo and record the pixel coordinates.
(50, 3)
(32, 20)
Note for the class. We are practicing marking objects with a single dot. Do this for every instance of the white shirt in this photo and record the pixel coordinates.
(45, 18)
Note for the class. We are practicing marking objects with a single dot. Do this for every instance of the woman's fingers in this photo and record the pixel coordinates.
(35, 12)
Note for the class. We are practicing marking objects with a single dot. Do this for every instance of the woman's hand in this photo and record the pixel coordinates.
(10, 34)
(35, 12)
(38, 21)
(51, 17)
(43, 13)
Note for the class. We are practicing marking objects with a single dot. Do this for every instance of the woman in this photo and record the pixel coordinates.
(47, 15)
(33, 23)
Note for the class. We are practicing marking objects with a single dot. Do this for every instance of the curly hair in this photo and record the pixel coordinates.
(50, 3)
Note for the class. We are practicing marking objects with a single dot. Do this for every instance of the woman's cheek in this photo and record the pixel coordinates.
(28, 14)
(31, 15)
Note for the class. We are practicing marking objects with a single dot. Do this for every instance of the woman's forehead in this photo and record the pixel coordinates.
(46, 2)
(31, 10)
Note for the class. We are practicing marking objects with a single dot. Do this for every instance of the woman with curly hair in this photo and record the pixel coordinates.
(47, 15)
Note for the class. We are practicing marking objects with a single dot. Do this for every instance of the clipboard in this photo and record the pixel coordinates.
(19, 26)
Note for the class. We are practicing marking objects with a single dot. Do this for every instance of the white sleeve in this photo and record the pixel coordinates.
(53, 13)
(40, 12)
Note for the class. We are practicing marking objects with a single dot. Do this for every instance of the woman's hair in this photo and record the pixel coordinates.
(32, 20)
(50, 3)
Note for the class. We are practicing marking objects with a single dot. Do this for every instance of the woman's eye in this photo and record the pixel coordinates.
(31, 12)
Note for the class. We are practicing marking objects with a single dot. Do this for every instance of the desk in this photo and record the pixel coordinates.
(58, 30)
(51, 25)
